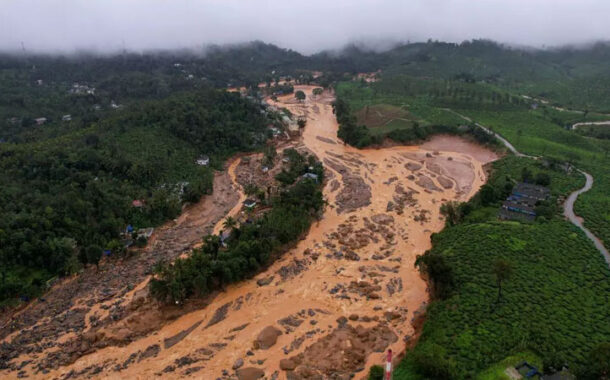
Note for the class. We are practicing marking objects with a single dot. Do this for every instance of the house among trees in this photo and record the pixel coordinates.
(521, 203)
(137, 203)
(146, 232)
(225, 236)
(526, 370)
(250, 203)
(40, 120)
(67, 117)
(82, 89)
(311, 176)
(203, 161)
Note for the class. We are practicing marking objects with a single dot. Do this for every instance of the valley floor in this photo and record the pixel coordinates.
(333, 303)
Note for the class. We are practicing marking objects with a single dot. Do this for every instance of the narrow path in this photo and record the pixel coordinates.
(568, 207)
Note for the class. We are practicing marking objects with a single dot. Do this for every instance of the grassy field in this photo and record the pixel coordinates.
(384, 118)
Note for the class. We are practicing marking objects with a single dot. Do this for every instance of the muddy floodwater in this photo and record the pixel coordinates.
(344, 294)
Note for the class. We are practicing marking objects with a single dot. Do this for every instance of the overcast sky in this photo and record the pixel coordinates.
(306, 25)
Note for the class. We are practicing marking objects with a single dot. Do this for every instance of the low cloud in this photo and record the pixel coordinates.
(306, 26)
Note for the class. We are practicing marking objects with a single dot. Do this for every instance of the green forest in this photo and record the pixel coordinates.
(67, 196)
(249, 247)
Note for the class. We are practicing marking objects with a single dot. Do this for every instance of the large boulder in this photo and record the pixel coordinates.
(267, 337)
(287, 364)
(250, 373)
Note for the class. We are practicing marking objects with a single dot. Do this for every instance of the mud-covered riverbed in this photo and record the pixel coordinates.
(343, 295)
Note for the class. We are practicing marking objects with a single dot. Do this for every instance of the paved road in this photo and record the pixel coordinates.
(607, 122)
(568, 211)
(568, 207)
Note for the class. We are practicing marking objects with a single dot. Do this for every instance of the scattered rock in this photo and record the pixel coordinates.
(267, 337)
(239, 328)
(265, 281)
(413, 166)
(342, 321)
(238, 363)
(150, 351)
(169, 342)
(287, 365)
(250, 373)
(341, 353)
(219, 314)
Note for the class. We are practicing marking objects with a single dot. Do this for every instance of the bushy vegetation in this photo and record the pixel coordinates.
(553, 304)
(73, 193)
(597, 131)
(398, 129)
(250, 247)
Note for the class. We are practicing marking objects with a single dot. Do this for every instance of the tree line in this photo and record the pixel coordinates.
(247, 249)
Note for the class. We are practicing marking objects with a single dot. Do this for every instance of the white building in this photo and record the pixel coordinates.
(203, 161)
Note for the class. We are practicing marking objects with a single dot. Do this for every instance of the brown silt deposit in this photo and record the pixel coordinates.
(333, 304)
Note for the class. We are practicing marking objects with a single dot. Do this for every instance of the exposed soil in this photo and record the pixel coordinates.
(330, 306)
(51, 331)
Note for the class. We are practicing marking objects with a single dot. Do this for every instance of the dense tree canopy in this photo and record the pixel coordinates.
(65, 199)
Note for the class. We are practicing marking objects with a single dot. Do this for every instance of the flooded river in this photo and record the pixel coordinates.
(354, 269)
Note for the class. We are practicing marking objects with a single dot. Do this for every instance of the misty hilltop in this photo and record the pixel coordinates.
(308, 27)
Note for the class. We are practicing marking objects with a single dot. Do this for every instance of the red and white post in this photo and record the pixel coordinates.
(388, 366)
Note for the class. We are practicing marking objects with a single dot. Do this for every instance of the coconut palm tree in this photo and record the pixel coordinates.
(229, 223)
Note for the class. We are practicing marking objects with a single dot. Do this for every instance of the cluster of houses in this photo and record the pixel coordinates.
(82, 89)
(43, 120)
(66, 117)
(521, 203)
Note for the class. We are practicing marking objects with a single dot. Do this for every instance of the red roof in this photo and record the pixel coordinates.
(137, 203)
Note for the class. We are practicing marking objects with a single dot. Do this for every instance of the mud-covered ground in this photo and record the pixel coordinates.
(332, 305)
(48, 333)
